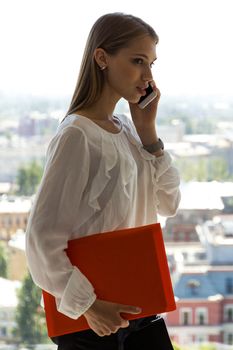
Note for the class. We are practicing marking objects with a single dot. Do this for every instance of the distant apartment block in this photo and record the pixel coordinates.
(200, 201)
(204, 288)
(37, 124)
(8, 303)
(17, 264)
(14, 213)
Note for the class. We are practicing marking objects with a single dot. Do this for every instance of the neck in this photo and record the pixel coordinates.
(104, 108)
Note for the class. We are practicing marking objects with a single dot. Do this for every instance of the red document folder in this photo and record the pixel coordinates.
(128, 266)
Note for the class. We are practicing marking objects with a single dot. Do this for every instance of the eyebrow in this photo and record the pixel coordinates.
(145, 56)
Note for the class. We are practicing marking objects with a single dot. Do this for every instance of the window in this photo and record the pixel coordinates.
(186, 316)
(201, 338)
(228, 313)
(193, 285)
(201, 315)
(10, 221)
(228, 338)
(229, 285)
(181, 236)
(3, 331)
(228, 204)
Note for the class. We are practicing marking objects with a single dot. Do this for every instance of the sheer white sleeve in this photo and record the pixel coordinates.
(167, 181)
(51, 220)
(165, 177)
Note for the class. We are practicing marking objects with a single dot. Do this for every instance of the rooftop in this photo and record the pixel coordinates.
(18, 240)
(8, 292)
(13, 204)
(205, 195)
(205, 283)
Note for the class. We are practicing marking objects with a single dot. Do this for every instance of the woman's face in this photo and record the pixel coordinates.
(129, 71)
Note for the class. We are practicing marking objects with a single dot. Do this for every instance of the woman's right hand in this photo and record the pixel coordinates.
(105, 318)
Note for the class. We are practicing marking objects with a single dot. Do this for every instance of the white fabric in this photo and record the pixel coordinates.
(94, 181)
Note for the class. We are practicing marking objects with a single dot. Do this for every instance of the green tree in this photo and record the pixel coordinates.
(207, 347)
(28, 178)
(218, 169)
(192, 170)
(3, 261)
(211, 169)
(30, 318)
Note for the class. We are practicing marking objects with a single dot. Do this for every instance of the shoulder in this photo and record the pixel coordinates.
(83, 125)
(72, 124)
(67, 138)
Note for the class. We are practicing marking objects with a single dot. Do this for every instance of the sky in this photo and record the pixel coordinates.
(42, 41)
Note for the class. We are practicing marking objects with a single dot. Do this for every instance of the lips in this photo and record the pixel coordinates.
(141, 90)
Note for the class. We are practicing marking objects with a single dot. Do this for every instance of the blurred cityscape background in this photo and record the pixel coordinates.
(199, 239)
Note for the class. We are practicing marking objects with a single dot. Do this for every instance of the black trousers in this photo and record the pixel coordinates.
(149, 333)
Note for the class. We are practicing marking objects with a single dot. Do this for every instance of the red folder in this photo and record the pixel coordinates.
(127, 266)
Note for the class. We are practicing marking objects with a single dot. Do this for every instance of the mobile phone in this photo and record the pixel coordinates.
(149, 96)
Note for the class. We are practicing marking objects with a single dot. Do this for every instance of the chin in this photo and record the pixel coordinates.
(133, 99)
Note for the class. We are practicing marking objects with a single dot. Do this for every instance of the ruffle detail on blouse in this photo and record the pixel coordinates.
(112, 157)
(108, 161)
(119, 206)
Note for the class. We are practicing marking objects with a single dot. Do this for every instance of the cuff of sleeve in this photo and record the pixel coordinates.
(78, 296)
(162, 164)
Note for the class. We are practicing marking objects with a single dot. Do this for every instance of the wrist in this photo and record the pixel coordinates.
(158, 153)
(155, 147)
(147, 138)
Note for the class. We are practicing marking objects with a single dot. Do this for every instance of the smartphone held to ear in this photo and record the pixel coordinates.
(149, 96)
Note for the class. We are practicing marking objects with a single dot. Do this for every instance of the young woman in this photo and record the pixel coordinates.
(103, 172)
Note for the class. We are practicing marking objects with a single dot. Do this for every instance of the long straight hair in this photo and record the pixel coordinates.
(111, 32)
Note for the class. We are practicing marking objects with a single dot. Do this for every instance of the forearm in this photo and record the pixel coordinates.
(148, 136)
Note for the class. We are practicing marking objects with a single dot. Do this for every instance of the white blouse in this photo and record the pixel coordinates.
(94, 181)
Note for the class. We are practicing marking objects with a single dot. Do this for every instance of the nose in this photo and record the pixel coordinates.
(147, 74)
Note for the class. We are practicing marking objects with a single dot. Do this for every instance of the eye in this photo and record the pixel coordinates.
(138, 60)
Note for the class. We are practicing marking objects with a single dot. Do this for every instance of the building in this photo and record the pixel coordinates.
(37, 123)
(174, 132)
(204, 289)
(14, 213)
(5, 188)
(196, 147)
(8, 303)
(200, 201)
(204, 306)
(17, 264)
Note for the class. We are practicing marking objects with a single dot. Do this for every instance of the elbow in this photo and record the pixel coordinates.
(169, 205)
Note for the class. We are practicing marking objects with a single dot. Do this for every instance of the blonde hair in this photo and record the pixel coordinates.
(110, 32)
